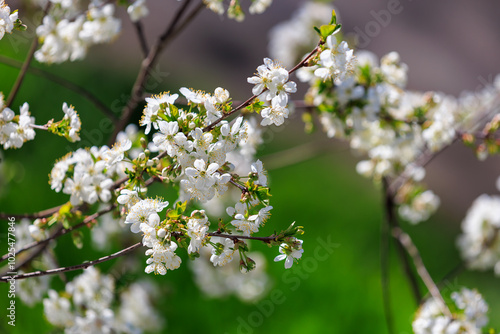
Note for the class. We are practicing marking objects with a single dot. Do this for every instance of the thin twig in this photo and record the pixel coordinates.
(384, 268)
(71, 268)
(392, 222)
(26, 64)
(142, 38)
(64, 83)
(243, 189)
(144, 72)
(41, 214)
(412, 250)
(61, 231)
(237, 237)
(250, 99)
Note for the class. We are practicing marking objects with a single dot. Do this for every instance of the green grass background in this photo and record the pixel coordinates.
(339, 294)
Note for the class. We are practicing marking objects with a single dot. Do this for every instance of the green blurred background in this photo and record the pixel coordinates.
(338, 293)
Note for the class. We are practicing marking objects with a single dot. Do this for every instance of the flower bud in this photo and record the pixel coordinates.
(161, 233)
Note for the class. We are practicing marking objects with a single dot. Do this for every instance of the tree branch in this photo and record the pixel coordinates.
(237, 237)
(392, 222)
(71, 268)
(26, 64)
(412, 250)
(40, 214)
(384, 271)
(61, 231)
(142, 38)
(146, 66)
(253, 97)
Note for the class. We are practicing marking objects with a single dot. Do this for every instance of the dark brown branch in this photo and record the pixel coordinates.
(71, 268)
(384, 270)
(238, 237)
(226, 115)
(142, 38)
(392, 222)
(250, 99)
(41, 214)
(61, 231)
(146, 67)
(25, 66)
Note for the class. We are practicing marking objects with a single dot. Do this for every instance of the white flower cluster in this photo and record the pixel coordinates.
(87, 174)
(194, 146)
(200, 153)
(7, 19)
(470, 316)
(87, 306)
(143, 217)
(479, 243)
(272, 85)
(379, 117)
(241, 159)
(197, 230)
(291, 39)
(220, 282)
(234, 10)
(15, 130)
(64, 37)
(335, 62)
(73, 119)
(420, 208)
(259, 6)
(246, 222)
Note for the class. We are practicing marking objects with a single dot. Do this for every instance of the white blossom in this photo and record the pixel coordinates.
(430, 318)
(162, 258)
(479, 243)
(336, 61)
(275, 114)
(289, 253)
(141, 211)
(7, 19)
(272, 82)
(58, 310)
(420, 208)
(137, 10)
(154, 104)
(259, 6)
(197, 230)
(223, 255)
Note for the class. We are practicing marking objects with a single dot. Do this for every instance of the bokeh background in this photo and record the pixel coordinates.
(449, 46)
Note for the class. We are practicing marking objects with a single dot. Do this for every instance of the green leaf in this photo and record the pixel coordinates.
(333, 21)
(262, 193)
(327, 30)
(317, 30)
(18, 25)
(256, 106)
(181, 206)
(174, 111)
(173, 214)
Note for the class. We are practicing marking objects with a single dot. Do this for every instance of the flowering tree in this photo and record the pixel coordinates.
(199, 148)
